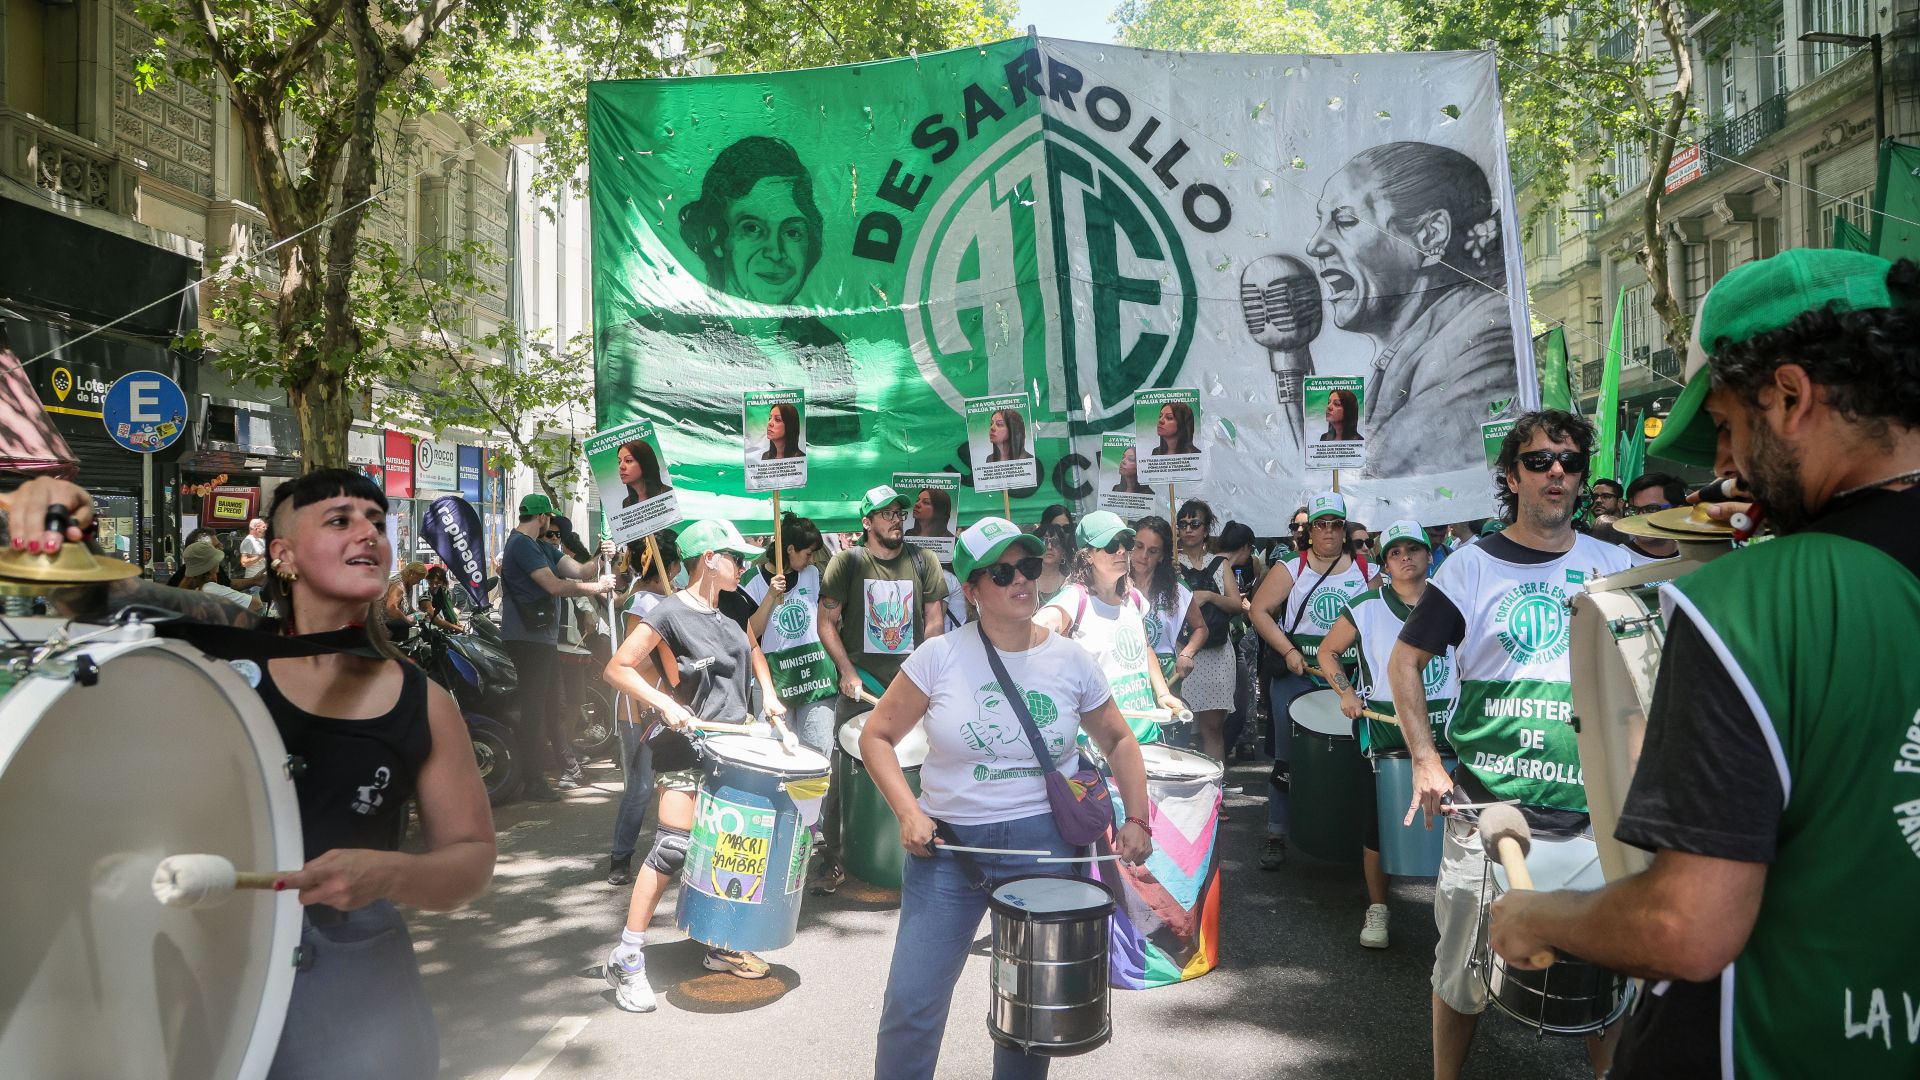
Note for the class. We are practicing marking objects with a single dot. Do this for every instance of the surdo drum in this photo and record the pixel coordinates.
(115, 754)
(1326, 795)
(869, 833)
(1050, 965)
(1571, 996)
(752, 835)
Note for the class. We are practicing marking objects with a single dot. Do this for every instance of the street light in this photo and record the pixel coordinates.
(1857, 41)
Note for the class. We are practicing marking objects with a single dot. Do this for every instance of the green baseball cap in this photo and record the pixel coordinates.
(981, 544)
(879, 498)
(1101, 528)
(1404, 529)
(1754, 299)
(1327, 504)
(703, 536)
(536, 503)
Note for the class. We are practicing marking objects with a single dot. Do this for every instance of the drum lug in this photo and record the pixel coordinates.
(295, 766)
(1623, 629)
(85, 671)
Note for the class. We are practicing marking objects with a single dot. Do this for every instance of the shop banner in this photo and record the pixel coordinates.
(1085, 223)
(436, 465)
(470, 465)
(399, 470)
(451, 527)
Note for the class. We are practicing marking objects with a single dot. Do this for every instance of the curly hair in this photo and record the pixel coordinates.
(1868, 362)
(1557, 425)
(703, 222)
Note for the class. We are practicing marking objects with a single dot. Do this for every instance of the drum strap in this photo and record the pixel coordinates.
(968, 865)
(243, 643)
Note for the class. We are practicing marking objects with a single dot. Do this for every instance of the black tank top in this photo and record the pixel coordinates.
(359, 773)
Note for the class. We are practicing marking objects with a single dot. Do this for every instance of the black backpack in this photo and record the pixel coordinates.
(1198, 579)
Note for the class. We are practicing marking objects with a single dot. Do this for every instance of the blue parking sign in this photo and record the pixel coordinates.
(144, 411)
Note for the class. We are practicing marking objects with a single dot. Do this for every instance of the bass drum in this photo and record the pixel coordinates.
(1617, 636)
(113, 755)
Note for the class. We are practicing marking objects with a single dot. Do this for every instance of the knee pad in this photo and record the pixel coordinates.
(669, 850)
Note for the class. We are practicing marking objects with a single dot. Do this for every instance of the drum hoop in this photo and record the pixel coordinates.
(810, 772)
(1350, 733)
(1101, 909)
(34, 695)
(1481, 959)
(1215, 773)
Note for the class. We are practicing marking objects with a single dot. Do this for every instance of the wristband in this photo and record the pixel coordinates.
(1290, 652)
(1131, 820)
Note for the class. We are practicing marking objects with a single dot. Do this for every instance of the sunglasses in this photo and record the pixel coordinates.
(1573, 461)
(1118, 544)
(551, 534)
(1001, 574)
(1636, 511)
(1193, 523)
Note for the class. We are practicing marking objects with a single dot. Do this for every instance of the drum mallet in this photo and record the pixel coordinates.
(1504, 829)
(204, 880)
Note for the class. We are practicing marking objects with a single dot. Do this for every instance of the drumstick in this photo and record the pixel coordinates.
(990, 850)
(1078, 859)
(869, 698)
(1382, 717)
(1159, 716)
(1505, 829)
(204, 880)
(727, 729)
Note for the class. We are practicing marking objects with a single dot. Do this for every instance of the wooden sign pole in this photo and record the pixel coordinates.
(779, 549)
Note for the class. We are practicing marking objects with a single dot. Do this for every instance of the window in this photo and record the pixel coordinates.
(1851, 208)
(1725, 102)
(1773, 66)
(43, 61)
(1635, 343)
(1835, 17)
(1629, 164)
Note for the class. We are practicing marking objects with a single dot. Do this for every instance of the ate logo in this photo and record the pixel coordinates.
(1327, 607)
(1533, 624)
(1129, 647)
(1050, 254)
(790, 618)
(1434, 676)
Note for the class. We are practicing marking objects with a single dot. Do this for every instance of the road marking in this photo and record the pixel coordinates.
(536, 1060)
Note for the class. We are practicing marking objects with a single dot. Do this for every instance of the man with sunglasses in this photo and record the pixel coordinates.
(1650, 493)
(879, 600)
(1501, 604)
(1779, 784)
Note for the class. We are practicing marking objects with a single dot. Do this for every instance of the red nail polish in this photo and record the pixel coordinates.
(33, 545)
(279, 886)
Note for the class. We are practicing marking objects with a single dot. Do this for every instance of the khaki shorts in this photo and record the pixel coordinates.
(678, 780)
(1456, 911)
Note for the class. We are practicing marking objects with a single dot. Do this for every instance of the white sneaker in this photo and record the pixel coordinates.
(630, 989)
(1374, 934)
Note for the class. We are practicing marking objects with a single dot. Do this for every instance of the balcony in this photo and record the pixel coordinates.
(1737, 137)
(1666, 364)
(1592, 373)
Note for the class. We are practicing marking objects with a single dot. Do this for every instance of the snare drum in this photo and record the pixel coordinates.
(1571, 997)
(869, 833)
(1166, 928)
(1050, 965)
(752, 835)
(1617, 638)
(114, 755)
(1328, 796)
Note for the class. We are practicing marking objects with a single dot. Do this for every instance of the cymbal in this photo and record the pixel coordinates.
(73, 565)
(1638, 525)
(1686, 521)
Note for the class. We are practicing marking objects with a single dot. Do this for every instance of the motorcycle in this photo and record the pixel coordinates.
(481, 678)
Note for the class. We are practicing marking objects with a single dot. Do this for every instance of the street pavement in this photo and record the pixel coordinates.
(516, 978)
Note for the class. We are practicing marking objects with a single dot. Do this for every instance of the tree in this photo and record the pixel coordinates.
(1270, 26)
(316, 85)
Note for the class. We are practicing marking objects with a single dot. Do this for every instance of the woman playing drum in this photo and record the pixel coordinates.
(1100, 609)
(1372, 620)
(711, 675)
(373, 732)
(981, 782)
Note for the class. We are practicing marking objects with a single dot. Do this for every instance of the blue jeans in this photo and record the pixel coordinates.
(940, 910)
(1284, 689)
(636, 765)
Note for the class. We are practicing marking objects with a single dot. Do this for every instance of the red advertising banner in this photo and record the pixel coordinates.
(399, 478)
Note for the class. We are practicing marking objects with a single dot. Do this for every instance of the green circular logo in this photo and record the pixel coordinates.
(1129, 647)
(1533, 624)
(1327, 607)
(1435, 676)
(979, 772)
(791, 618)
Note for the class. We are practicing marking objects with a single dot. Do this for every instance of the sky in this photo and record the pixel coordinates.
(1080, 20)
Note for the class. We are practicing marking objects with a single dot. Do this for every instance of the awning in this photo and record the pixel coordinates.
(29, 443)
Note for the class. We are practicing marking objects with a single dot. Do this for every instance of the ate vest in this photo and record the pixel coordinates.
(1378, 615)
(1314, 605)
(802, 670)
(1819, 631)
(1115, 636)
(1513, 724)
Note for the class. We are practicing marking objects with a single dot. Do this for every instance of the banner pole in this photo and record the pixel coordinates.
(779, 549)
(659, 564)
(1171, 511)
(1006, 504)
(1336, 481)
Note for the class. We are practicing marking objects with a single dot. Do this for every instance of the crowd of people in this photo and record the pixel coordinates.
(1779, 749)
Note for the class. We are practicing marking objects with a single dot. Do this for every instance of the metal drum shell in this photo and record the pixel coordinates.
(773, 922)
(180, 756)
(1571, 996)
(1405, 850)
(1049, 975)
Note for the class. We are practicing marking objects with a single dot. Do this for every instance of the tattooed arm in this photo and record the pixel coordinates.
(94, 603)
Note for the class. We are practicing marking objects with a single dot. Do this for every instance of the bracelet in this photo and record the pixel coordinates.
(1290, 652)
(1131, 820)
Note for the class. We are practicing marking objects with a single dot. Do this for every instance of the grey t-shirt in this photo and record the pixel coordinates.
(521, 558)
(715, 658)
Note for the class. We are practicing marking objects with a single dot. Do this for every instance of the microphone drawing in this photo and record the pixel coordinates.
(1280, 298)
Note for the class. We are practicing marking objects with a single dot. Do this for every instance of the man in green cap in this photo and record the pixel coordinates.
(878, 601)
(532, 576)
(1779, 784)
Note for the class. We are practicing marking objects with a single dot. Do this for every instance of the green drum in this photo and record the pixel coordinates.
(869, 833)
(1328, 800)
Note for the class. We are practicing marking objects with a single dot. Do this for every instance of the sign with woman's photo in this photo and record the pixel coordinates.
(1166, 432)
(774, 423)
(933, 512)
(1333, 421)
(631, 475)
(1000, 443)
(1120, 488)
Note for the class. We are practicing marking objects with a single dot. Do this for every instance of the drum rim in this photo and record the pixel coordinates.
(858, 724)
(28, 702)
(1216, 771)
(1099, 910)
(811, 772)
(1352, 725)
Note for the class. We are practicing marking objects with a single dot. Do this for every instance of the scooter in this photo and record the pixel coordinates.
(481, 678)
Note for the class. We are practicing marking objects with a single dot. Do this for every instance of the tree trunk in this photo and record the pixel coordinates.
(1653, 252)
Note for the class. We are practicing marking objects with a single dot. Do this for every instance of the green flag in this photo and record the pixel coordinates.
(1633, 452)
(1848, 237)
(1556, 386)
(1896, 203)
(1609, 418)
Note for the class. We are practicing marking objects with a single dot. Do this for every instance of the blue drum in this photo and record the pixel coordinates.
(1405, 850)
(752, 834)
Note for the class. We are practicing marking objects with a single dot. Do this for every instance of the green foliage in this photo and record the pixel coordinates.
(1269, 26)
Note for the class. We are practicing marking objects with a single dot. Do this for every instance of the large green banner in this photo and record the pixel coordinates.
(1075, 223)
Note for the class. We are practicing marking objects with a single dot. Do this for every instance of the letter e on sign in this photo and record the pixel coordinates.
(144, 411)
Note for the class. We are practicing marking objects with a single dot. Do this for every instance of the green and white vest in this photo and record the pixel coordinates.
(1818, 631)
(802, 670)
(1323, 601)
(1378, 615)
(1512, 725)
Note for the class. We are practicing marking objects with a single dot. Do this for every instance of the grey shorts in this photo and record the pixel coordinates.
(1456, 911)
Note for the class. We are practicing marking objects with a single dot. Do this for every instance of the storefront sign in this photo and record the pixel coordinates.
(399, 473)
(470, 466)
(436, 465)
